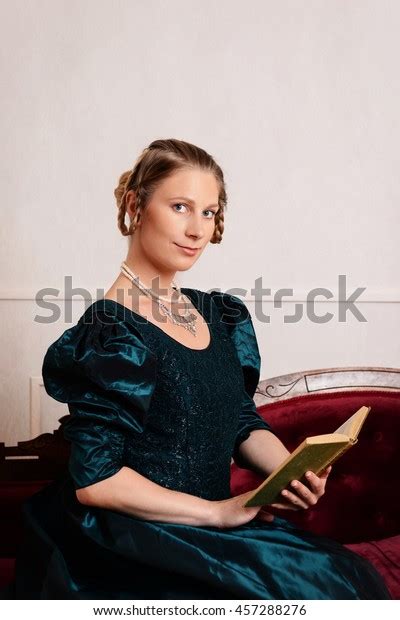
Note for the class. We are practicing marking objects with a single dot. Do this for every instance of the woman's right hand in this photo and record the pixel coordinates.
(231, 512)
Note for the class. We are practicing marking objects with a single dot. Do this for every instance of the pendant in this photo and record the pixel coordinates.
(182, 321)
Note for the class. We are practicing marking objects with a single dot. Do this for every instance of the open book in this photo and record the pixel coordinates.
(313, 454)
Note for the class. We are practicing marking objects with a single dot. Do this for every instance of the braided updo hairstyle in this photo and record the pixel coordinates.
(158, 161)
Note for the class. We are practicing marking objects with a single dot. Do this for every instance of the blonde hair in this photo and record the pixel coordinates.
(158, 161)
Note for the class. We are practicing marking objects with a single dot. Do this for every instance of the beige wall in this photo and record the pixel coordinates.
(297, 101)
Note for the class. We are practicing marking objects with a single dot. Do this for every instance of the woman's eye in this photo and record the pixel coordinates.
(179, 204)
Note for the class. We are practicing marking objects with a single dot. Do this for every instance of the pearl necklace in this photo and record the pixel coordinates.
(187, 320)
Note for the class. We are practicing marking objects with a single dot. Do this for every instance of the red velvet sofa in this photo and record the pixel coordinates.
(359, 508)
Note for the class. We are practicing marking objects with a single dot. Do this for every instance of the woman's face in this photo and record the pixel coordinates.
(181, 212)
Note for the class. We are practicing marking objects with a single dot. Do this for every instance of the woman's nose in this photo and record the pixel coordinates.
(195, 227)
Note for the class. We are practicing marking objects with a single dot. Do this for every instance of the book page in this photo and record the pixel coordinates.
(353, 425)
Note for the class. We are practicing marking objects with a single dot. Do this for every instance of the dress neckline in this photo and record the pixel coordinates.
(186, 291)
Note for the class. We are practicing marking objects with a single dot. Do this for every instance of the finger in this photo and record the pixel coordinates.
(325, 473)
(294, 499)
(315, 489)
(309, 497)
(265, 516)
(317, 483)
(284, 506)
(313, 481)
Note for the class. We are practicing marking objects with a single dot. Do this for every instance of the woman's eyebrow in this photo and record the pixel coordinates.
(186, 199)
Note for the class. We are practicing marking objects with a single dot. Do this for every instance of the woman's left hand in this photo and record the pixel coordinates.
(299, 497)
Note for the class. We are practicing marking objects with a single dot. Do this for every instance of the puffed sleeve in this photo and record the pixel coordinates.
(106, 374)
(237, 318)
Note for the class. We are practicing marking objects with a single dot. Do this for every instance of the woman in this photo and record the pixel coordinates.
(159, 383)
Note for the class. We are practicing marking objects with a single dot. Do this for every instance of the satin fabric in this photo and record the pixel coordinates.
(103, 554)
(139, 398)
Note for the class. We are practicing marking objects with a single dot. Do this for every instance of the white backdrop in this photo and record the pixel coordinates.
(298, 102)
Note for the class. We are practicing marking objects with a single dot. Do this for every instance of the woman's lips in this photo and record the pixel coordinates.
(189, 251)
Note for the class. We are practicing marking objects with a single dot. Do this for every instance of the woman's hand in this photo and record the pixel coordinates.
(299, 497)
(232, 512)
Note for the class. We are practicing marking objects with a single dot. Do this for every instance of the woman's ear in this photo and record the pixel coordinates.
(130, 200)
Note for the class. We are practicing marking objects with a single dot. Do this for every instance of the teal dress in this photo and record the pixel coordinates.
(139, 398)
